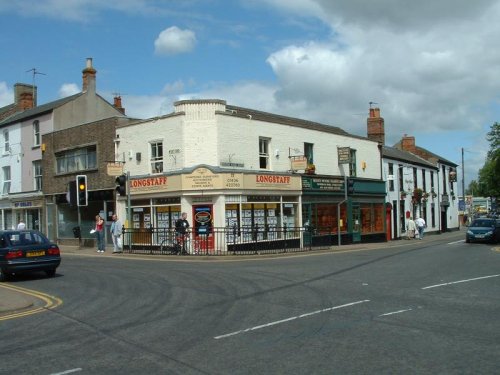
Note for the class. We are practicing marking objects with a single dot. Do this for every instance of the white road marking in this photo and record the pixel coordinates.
(460, 281)
(67, 371)
(395, 312)
(289, 319)
(454, 242)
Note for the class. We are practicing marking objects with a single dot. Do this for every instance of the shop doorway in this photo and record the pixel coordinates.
(203, 238)
(356, 223)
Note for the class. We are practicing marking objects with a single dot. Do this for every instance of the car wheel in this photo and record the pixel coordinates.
(5, 276)
(50, 273)
(467, 239)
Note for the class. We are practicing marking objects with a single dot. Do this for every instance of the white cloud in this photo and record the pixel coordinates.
(431, 67)
(68, 89)
(6, 95)
(173, 40)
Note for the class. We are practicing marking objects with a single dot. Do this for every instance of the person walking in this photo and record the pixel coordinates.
(99, 232)
(21, 225)
(116, 232)
(410, 229)
(420, 223)
(181, 229)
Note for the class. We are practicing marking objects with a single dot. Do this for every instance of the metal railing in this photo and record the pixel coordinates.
(226, 240)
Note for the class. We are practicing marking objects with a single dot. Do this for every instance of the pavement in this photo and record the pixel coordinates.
(14, 300)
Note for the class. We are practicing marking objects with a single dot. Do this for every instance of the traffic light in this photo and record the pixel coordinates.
(350, 186)
(121, 185)
(81, 190)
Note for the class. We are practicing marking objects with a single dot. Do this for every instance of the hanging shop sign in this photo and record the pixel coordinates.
(344, 155)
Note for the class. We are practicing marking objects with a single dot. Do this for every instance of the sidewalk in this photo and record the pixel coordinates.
(11, 301)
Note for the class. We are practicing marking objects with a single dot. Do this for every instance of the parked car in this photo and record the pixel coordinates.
(483, 230)
(24, 251)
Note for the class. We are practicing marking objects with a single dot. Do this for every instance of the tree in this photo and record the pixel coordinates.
(489, 174)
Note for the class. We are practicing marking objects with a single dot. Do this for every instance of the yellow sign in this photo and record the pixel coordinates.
(114, 169)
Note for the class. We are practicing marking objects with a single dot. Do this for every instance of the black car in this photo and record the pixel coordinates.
(24, 251)
(483, 229)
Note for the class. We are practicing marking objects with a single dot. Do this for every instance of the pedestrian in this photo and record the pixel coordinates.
(116, 232)
(99, 232)
(21, 225)
(420, 222)
(181, 229)
(410, 229)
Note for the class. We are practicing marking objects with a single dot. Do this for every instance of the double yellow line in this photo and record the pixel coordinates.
(51, 302)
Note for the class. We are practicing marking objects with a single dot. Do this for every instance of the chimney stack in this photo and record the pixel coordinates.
(25, 96)
(408, 144)
(117, 103)
(89, 74)
(375, 126)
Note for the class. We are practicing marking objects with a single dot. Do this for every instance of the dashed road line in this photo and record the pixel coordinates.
(460, 281)
(68, 371)
(289, 319)
(395, 312)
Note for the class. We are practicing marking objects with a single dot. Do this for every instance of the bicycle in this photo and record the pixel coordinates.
(176, 245)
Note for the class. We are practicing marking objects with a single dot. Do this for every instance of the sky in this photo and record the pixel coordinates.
(431, 66)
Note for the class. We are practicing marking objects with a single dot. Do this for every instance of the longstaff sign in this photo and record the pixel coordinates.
(149, 184)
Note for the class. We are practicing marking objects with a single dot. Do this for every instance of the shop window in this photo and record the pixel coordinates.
(372, 218)
(324, 218)
(264, 153)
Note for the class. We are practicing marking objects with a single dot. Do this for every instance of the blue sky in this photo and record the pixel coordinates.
(431, 66)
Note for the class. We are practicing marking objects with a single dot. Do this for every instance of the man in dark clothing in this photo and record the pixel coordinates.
(181, 229)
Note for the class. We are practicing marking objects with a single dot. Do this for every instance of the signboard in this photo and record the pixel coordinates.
(114, 169)
(323, 184)
(344, 155)
(298, 163)
(201, 179)
(148, 184)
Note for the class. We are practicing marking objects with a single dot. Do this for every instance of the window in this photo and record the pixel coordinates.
(36, 133)
(352, 163)
(444, 179)
(391, 173)
(156, 157)
(76, 160)
(414, 178)
(6, 180)
(37, 175)
(6, 144)
(308, 153)
(424, 182)
(264, 153)
(400, 178)
(432, 180)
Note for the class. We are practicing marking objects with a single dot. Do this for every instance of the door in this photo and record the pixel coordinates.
(356, 223)
(203, 236)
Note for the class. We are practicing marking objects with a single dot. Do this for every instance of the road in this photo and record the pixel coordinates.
(427, 307)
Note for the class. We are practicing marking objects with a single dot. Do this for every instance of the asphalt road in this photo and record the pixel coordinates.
(430, 307)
